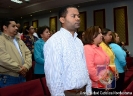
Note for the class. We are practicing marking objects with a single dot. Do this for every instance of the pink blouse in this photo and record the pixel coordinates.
(95, 56)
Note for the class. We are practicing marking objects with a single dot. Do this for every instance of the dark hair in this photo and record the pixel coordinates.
(120, 43)
(25, 30)
(41, 30)
(113, 37)
(63, 11)
(80, 34)
(90, 34)
(105, 31)
(6, 22)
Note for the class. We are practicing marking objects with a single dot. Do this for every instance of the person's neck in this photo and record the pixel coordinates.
(31, 35)
(106, 43)
(9, 35)
(44, 39)
(96, 44)
(71, 31)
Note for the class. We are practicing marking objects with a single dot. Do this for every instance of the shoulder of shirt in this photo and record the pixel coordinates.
(39, 41)
(90, 47)
(35, 37)
(2, 37)
(78, 39)
(56, 36)
(114, 45)
(53, 39)
(102, 44)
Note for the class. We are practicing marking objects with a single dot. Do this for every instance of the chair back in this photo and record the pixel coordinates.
(29, 88)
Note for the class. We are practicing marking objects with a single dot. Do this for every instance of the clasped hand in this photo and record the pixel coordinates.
(23, 71)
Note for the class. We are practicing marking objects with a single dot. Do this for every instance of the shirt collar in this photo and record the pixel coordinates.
(42, 40)
(9, 37)
(66, 32)
(94, 46)
(104, 45)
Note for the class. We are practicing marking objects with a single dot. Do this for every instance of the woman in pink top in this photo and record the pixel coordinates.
(96, 59)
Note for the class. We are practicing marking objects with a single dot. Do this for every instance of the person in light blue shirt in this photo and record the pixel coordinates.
(120, 60)
(65, 65)
(44, 34)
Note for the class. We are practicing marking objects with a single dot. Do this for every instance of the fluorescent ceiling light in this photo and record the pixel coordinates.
(17, 1)
(27, 0)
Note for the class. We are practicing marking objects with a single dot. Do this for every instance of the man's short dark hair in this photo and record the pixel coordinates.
(63, 11)
(6, 22)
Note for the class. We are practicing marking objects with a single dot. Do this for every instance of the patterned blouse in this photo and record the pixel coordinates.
(29, 41)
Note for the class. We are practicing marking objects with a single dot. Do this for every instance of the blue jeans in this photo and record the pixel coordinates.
(6, 80)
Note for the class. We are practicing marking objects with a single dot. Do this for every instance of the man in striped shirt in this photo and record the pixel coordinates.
(65, 66)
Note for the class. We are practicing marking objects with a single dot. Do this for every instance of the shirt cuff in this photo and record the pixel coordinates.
(88, 90)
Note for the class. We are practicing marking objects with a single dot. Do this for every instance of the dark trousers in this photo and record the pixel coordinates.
(120, 82)
(38, 76)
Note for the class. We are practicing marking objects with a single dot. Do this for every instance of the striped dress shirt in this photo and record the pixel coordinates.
(65, 64)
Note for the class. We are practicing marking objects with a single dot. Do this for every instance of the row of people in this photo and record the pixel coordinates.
(102, 49)
(70, 67)
(17, 55)
(35, 45)
(68, 71)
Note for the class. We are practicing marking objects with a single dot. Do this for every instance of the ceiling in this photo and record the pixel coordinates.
(12, 9)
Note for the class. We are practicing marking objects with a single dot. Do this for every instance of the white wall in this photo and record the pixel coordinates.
(44, 20)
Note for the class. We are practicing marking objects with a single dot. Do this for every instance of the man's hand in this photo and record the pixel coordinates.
(23, 71)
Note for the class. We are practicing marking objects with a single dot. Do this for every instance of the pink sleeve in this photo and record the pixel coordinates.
(89, 56)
